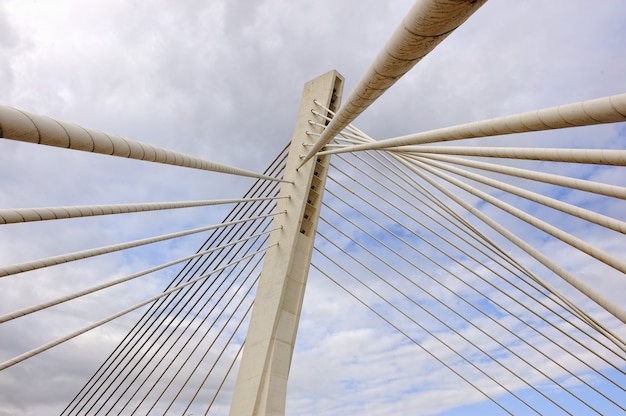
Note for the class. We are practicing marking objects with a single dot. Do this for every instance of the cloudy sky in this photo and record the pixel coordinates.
(222, 80)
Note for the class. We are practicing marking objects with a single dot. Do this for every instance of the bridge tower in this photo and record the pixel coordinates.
(261, 385)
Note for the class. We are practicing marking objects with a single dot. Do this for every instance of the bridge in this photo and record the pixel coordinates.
(479, 264)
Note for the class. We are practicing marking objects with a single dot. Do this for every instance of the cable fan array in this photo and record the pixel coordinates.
(437, 247)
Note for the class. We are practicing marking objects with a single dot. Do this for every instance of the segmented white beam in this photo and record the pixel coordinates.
(610, 109)
(427, 24)
(44, 305)
(34, 128)
(16, 215)
(47, 346)
(590, 156)
(593, 251)
(585, 214)
(565, 181)
(591, 293)
(79, 255)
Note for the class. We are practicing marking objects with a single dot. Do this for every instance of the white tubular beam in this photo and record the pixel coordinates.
(45, 347)
(572, 183)
(33, 128)
(587, 290)
(427, 24)
(16, 215)
(600, 255)
(610, 109)
(590, 156)
(36, 308)
(79, 255)
(585, 214)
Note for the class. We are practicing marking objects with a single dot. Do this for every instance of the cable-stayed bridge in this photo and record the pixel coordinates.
(410, 227)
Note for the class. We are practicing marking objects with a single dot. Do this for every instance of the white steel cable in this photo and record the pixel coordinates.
(597, 188)
(534, 277)
(357, 191)
(349, 127)
(604, 114)
(27, 127)
(157, 342)
(324, 116)
(47, 346)
(468, 321)
(144, 368)
(206, 376)
(512, 297)
(584, 288)
(426, 350)
(597, 108)
(564, 303)
(235, 359)
(142, 327)
(589, 156)
(208, 348)
(347, 137)
(602, 156)
(36, 308)
(583, 246)
(582, 314)
(609, 109)
(348, 133)
(178, 354)
(80, 255)
(220, 355)
(165, 306)
(582, 213)
(17, 215)
(590, 320)
(421, 326)
(425, 26)
(569, 304)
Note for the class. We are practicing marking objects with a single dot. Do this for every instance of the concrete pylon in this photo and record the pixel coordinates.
(261, 386)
